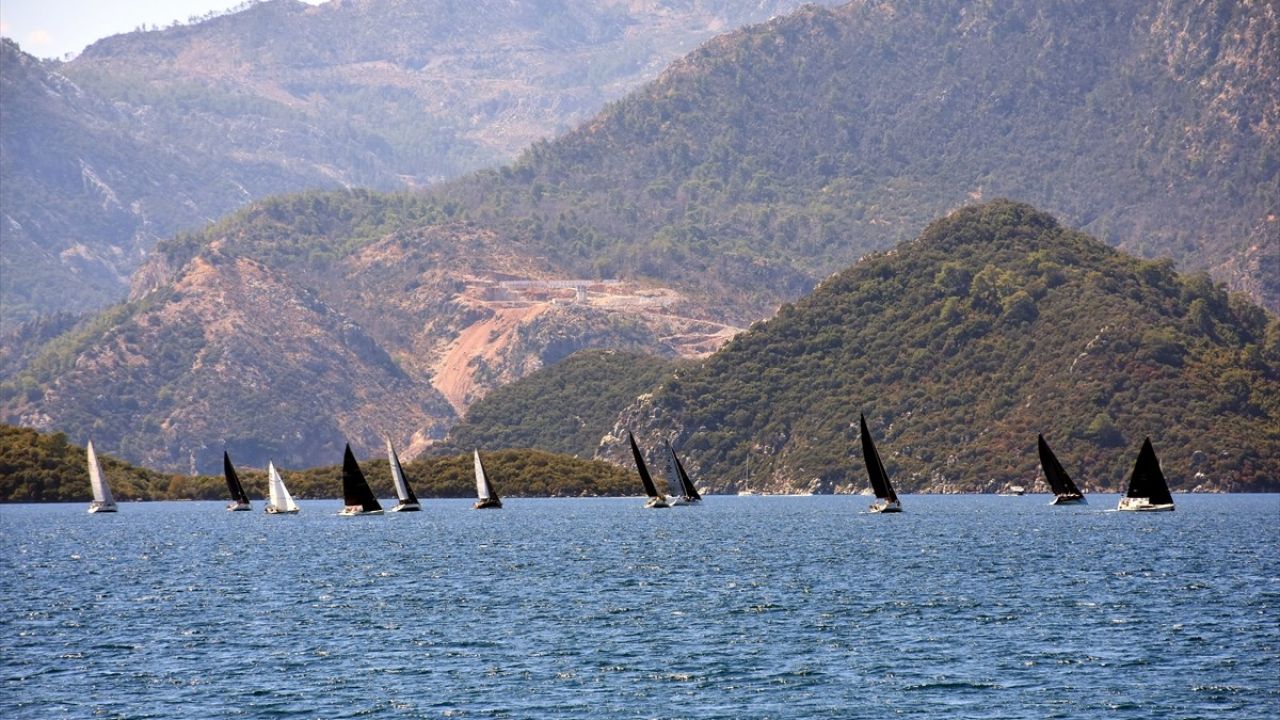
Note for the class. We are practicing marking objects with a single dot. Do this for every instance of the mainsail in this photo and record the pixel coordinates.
(650, 489)
(239, 499)
(875, 469)
(681, 485)
(1147, 480)
(280, 499)
(102, 500)
(1058, 479)
(486, 495)
(355, 489)
(403, 492)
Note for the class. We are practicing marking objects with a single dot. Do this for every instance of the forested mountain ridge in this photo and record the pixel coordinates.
(305, 322)
(960, 346)
(804, 142)
(150, 132)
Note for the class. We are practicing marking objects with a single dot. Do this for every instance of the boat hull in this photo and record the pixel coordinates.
(406, 507)
(1129, 504)
(1069, 500)
(655, 503)
(353, 510)
(239, 507)
(102, 507)
(490, 504)
(273, 510)
(885, 506)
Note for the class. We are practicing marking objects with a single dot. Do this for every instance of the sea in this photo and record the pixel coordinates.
(743, 607)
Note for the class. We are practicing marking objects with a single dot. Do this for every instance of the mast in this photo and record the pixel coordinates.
(875, 469)
(1147, 480)
(403, 492)
(649, 488)
(355, 489)
(101, 493)
(1053, 471)
(233, 480)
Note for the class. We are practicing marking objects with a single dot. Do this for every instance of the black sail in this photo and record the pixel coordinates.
(649, 488)
(233, 481)
(1053, 472)
(875, 469)
(1147, 480)
(408, 489)
(355, 489)
(689, 490)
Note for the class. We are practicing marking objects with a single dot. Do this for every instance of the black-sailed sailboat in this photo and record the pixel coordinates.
(886, 498)
(1148, 491)
(239, 499)
(407, 501)
(1065, 491)
(682, 490)
(656, 500)
(357, 497)
(486, 496)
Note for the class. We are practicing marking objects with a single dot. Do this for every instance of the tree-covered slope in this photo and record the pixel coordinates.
(154, 131)
(566, 407)
(38, 467)
(996, 324)
(800, 144)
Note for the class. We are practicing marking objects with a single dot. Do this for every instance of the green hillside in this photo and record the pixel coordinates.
(38, 467)
(565, 408)
(996, 324)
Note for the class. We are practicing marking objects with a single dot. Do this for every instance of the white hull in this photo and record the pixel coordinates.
(1143, 505)
(1069, 500)
(353, 510)
(657, 502)
(406, 507)
(885, 506)
(273, 510)
(239, 507)
(102, 507)
(487, 504)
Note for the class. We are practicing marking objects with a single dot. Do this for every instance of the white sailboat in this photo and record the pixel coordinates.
(102, 500)
(408, 502)
(486, 497)
(279, 501)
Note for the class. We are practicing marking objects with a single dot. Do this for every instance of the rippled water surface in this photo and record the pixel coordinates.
(746, 607)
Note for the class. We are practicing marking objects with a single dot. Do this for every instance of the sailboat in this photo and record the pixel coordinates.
(886, 498)
(356, 494)
(102, 500)
(280, 502)
(682, 490)
(486, 497)
(1148, 491)
(408, 502)
(1065, 492)
(239, 499)
(656, 499)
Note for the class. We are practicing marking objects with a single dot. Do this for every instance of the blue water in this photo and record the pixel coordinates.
(747, 607)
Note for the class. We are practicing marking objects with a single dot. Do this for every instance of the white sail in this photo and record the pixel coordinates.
(673, 474)
(482, 483)
(397, 475)
(101, 493)
(281, 500)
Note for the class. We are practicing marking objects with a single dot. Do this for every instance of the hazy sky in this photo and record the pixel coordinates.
(52, 28)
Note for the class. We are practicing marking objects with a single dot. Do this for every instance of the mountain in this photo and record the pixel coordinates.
(995, 324)
(150, 132)
(305, 323)
(801, 144)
